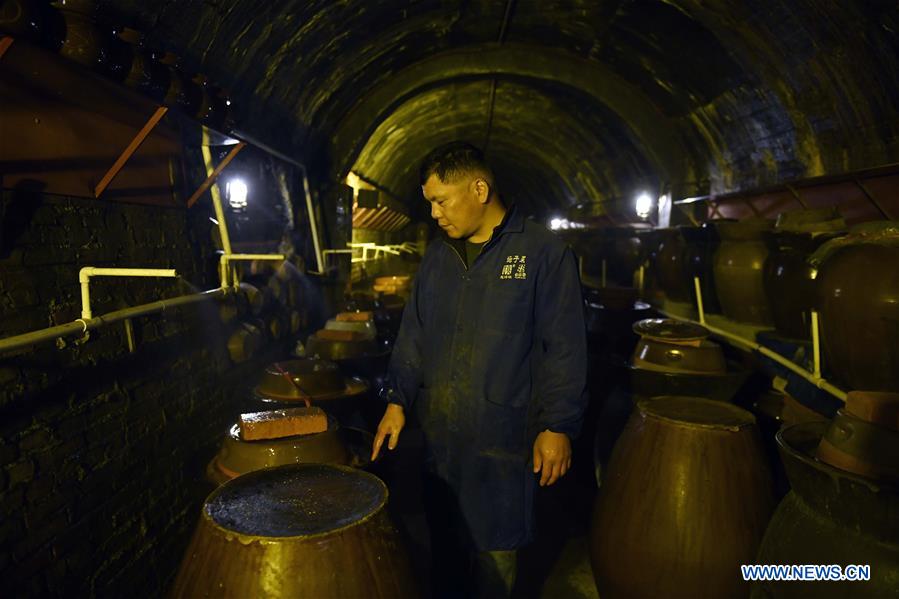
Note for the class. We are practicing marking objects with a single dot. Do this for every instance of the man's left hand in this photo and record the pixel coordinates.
(552, 454)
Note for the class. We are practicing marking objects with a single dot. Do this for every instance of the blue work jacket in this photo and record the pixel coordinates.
(487, 356)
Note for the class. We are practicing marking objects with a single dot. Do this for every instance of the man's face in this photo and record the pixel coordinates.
(456, 206)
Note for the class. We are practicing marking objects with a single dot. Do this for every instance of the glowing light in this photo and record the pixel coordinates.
(643, 205)
(557, 223)
(353, 180)
(236, 190)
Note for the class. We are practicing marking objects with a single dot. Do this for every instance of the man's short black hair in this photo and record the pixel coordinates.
(453, 160)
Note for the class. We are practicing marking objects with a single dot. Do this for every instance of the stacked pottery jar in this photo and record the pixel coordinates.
(80, 37)
(623, 252)
(857, 288)
(789, 279)
(285, 386)
(650, 240)
(699, 252)
(669, 265)
(842, 507)
(676, 358)
(683, 503)
(739, 270)
(293, 382)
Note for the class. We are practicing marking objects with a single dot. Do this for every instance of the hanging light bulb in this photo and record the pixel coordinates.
(236, 190)
(643, 205)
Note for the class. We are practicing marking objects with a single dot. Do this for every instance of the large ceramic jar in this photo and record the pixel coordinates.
(669, 262)
(81, 40)
(623, 255)
(684, 502)
(182, 92)
(739, 277)
(650, 240)
(699, 253)
(306, 530)
(146, 74)
(829, 517)
(858, 302)
(790, 281)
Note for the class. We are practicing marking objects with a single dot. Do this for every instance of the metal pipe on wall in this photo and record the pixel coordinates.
(85, 274)
(78, 328)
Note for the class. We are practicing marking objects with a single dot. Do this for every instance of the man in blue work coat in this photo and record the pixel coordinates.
(491, 357)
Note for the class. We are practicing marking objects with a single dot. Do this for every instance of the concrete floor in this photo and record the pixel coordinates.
(571, 576)
(556, 565)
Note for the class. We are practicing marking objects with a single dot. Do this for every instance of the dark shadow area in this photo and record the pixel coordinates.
(16, 213)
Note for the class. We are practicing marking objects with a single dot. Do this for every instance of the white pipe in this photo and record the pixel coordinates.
(87, 272)
(699, 307)
(216, 194)
(80, 327)
(319, 257)
(816, 344)
(226, 259)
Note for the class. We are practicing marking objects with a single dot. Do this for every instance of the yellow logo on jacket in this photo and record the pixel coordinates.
(514, 268)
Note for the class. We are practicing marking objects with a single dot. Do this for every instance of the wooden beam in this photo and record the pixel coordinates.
(215, 174)
(5, 43)
(796, 195)
(131, 149)
(752, 207)
(871, 199)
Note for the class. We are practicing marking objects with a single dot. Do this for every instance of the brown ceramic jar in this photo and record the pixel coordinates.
(829, 517)
(686, 497)
(652, 289)
(858, 302)
(81, 41)
(304, 530)
(699, 253)
(789, 281)
(669, 261)
(739, 276)
(623, 255)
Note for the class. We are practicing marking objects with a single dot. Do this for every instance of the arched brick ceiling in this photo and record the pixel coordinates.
(711, 95)
(536, 132)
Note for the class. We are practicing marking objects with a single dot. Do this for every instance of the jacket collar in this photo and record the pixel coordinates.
(513, 222)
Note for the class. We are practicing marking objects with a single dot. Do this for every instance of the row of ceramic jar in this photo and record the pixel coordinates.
(70, 28)
(757, 274)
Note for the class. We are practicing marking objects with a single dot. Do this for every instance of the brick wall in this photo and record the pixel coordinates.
(102, 451)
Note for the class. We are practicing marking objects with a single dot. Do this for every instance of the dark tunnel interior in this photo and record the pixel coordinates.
(597, 100)
(212, 226)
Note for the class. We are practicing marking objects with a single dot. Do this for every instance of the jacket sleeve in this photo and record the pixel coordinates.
(404, 371)
(562, 351)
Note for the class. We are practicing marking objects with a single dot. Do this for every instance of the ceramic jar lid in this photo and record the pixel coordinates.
(304, 378)
(296, 500)
(670, 330)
